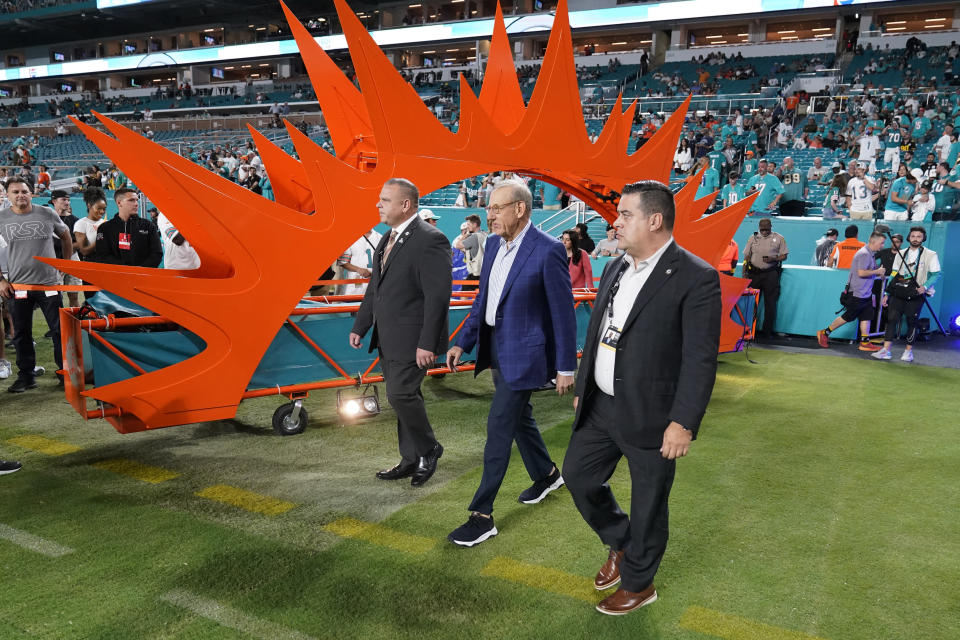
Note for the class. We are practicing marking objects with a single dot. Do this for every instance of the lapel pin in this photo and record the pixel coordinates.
(669, 271)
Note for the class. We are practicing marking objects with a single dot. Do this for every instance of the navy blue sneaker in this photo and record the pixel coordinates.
(9, 466)
(477, 529)
(541, 488)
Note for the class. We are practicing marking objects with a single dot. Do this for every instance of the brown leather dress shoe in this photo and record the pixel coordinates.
(609, 573)
(623, 601)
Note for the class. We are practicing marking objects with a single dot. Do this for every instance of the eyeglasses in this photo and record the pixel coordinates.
(495, 209)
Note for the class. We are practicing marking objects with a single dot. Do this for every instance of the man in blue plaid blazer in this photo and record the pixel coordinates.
(523, 325)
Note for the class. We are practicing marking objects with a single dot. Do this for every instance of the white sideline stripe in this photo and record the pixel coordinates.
(32, 542)
(231, 618)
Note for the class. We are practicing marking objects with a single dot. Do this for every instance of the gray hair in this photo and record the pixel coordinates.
(518, 191)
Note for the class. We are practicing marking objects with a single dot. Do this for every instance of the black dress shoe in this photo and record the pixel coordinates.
(426, 466)
(397, 472)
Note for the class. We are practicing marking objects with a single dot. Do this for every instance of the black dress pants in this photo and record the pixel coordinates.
(414, 433)
(21, 312)
(594, 452)
(792, 208)
(768, 282)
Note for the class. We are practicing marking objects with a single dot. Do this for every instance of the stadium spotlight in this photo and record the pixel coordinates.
(358, 406)
(955, 325)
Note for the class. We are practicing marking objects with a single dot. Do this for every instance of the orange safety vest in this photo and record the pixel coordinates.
(844, 251)
(729, 257)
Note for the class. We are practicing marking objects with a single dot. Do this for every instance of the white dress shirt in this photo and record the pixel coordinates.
(499, 272)
(400, 228)
(634, 277)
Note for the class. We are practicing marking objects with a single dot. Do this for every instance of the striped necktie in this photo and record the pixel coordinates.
(387, 250)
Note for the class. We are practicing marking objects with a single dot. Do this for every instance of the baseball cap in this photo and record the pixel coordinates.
(916, 173)
(426, 214)
(835, 165)
(464, 226)
(749, 153)
(58, 193)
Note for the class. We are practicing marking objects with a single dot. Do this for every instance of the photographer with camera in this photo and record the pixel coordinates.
(857, 297)
(762, 256)
(472, 246)
(915, 272)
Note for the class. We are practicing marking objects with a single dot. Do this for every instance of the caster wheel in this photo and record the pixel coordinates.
(285, 424)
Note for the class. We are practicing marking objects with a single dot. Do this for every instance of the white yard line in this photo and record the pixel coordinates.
(32, 542)
(231, 618)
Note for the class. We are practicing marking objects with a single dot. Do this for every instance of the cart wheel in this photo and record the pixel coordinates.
(284, 422)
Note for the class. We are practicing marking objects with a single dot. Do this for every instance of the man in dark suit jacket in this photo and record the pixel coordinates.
(647, 372)
(406, 303)
(523, 321)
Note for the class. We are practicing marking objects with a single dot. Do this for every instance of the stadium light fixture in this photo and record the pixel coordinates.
(357, 406)
(896, 28)
(788, 31)
(617, 44)
(955, 325)
(897, 22)
(934, 19)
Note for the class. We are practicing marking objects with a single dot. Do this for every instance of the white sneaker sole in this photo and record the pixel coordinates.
(3, 473)
(554, 486)
(606, 586)
(486, 536)
(878, 356)
(649, 600)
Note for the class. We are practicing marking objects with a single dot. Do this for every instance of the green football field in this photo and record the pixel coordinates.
(820, 501)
